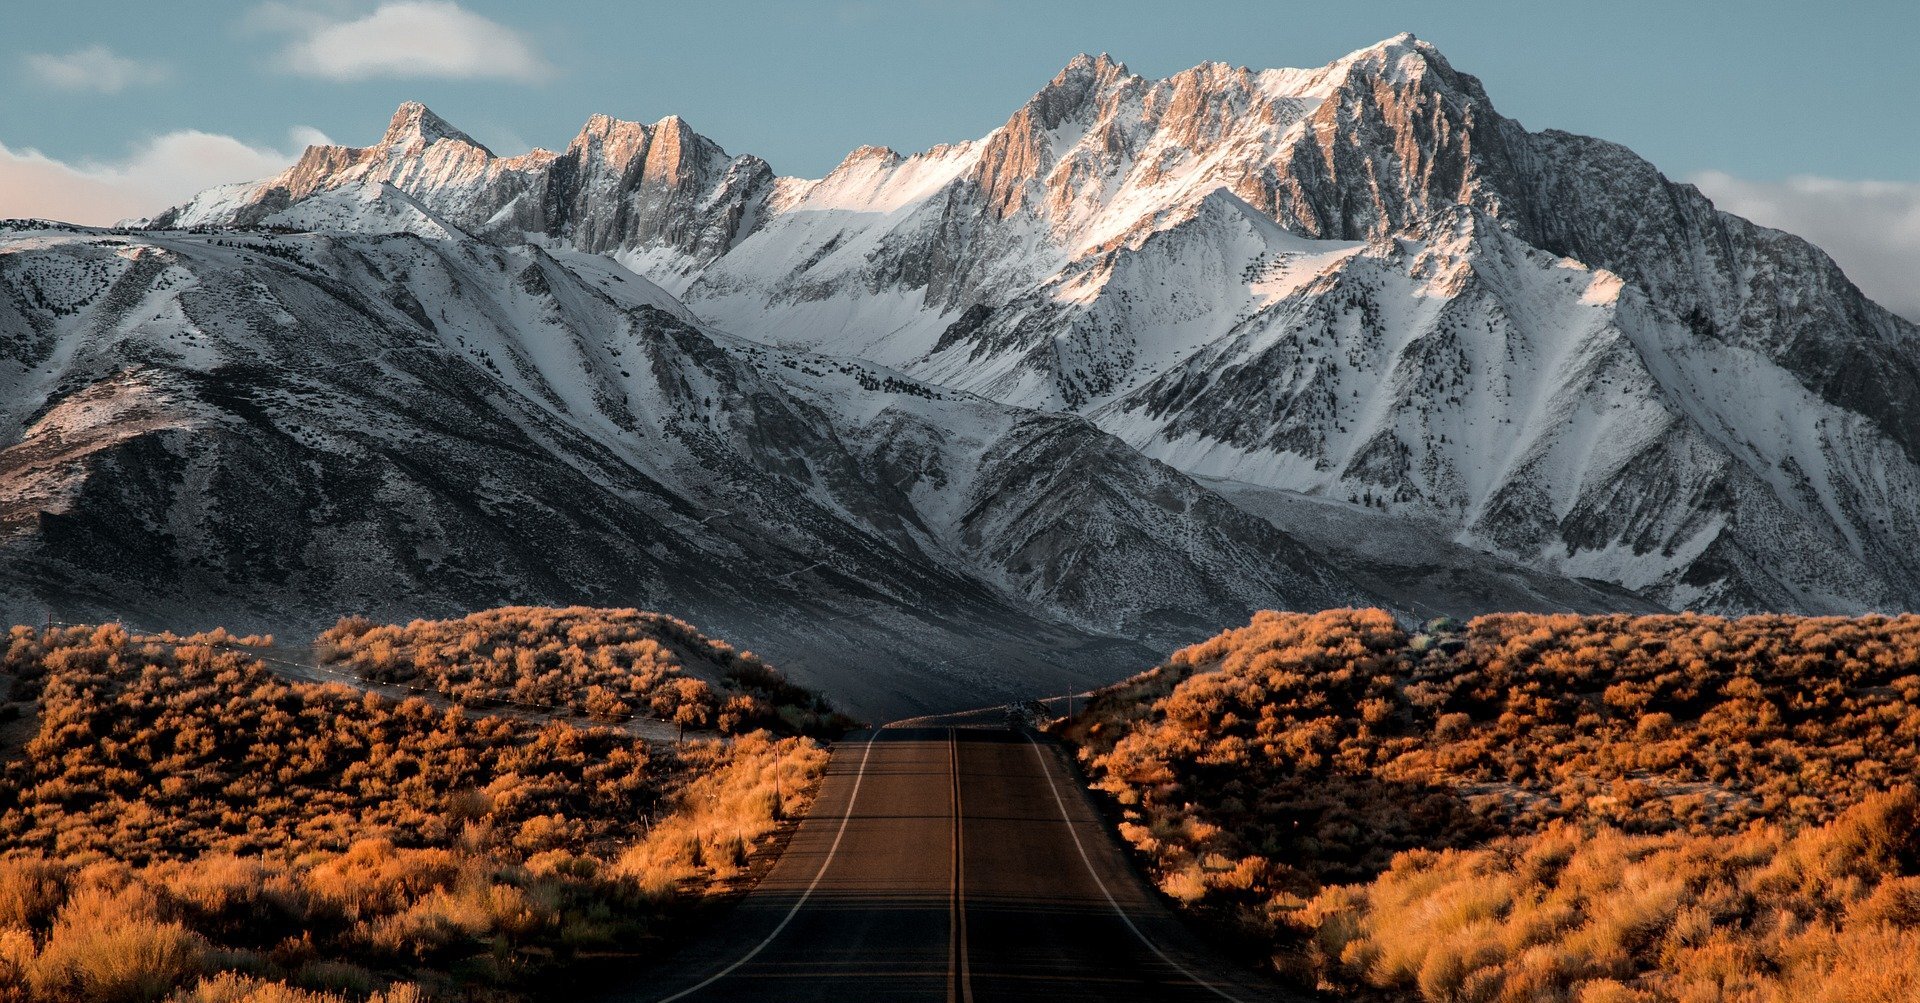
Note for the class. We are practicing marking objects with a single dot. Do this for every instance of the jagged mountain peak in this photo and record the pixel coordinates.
(1402, 43)
(414, 127)
(1077, 91)
(1084, 65)
(612, 139)
(1087, 80)
(868, 155)
(1404, 61)
(600, 124)
(613, 135)
(1213, 73)
(1404, 47)
(618, 185)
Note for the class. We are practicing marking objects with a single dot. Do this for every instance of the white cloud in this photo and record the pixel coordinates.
(94, 68)
(163, 171)
(406, 38)
(1872, 228)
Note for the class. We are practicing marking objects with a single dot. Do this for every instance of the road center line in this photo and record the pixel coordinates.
(959, 966)
(852, 799)
(1087, 860)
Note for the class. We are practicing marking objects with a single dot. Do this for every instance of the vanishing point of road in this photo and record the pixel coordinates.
(950, 859)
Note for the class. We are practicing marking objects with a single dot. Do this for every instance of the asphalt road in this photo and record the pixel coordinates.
(948, 862)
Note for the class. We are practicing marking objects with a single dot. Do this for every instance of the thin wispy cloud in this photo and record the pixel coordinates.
(1872, 228)
(410, 38)
(94, 68)
(162, 171)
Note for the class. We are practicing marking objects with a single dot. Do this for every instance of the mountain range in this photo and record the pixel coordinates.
(992, 417)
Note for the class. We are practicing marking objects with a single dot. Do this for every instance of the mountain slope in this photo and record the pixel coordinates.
(273, 429)
(1547, 411)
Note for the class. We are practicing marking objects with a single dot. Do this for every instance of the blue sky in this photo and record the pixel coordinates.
(1802, 112)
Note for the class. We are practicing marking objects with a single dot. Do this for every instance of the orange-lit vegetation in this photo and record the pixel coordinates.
(181, 822)
(1592, 809)
(608, 664)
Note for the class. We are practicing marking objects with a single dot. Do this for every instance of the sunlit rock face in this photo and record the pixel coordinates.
(618, 185)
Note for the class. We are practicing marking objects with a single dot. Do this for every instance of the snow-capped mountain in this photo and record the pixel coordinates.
(267, 429)
(1357, 283)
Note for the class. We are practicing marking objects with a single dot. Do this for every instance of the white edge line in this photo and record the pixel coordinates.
(852, 798)
(1122, 913)
(960, 871)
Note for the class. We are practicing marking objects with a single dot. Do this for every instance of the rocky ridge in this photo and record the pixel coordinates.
(1358, 283)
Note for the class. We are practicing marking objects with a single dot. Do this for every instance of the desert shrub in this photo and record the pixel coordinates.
(111, 945)
(723, 812)
(1533, 807)
(230, 987)
(30, 890)
(181, 824)
(1664, 915)
(606, 664)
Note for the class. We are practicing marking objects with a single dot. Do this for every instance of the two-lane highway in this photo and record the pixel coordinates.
(951, 863)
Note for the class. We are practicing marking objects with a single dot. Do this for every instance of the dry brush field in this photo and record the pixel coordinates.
(175, 822)
(1537, 808)
(608, 664)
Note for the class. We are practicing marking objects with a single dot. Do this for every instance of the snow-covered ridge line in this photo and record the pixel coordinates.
(1357, 282)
